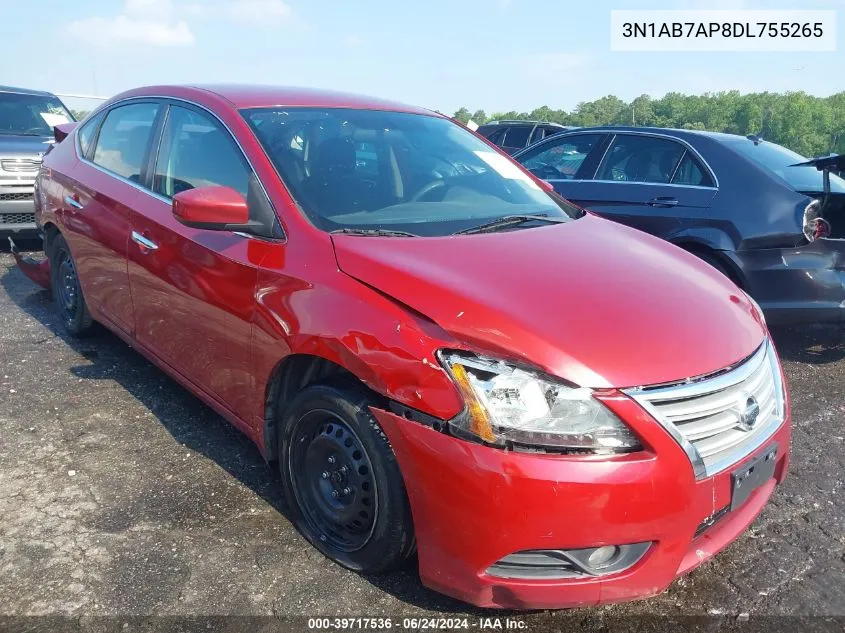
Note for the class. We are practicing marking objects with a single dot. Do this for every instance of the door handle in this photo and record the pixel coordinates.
(143, 242)
(662, 201)
(71, 201)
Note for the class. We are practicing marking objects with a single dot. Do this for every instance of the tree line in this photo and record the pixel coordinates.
(812, 126)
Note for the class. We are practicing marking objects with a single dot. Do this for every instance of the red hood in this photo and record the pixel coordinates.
(591, 301)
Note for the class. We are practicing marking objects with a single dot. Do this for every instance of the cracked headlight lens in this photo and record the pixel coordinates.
(509, 404)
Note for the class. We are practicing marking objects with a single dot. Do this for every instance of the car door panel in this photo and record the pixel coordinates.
(103, 188)
(96, 219)
(193, 292)
(633, 186)
(193, 289)
(661, 210)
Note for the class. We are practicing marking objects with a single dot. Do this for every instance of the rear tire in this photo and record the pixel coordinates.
(67, 292)
(342, 483)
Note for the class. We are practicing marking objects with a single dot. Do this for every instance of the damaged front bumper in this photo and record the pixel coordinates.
(38, 270)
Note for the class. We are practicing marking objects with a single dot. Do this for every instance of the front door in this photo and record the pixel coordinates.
(193, 289)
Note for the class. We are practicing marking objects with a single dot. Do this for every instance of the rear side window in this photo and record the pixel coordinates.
(691, 172)
(123, 139)
(86, 135)
(561, 159)
(517, 136)
(497, 136)
(197, 152)
(636, 158)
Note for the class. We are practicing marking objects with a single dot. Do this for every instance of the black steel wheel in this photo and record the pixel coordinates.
(67, 292)
(333, 481)
(342, 482)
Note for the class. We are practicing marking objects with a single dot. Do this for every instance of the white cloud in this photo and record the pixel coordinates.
(148, 22)
(259, 12)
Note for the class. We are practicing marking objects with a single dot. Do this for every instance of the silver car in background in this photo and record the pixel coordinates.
(27, 118)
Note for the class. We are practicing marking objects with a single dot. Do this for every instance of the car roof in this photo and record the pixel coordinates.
(512, 122)
(257, 96)
(681, 133)
(26, 91)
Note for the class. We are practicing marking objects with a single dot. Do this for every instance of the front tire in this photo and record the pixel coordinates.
(341, 479)
(67, 292)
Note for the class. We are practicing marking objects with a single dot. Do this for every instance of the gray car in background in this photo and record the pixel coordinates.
(27, 118)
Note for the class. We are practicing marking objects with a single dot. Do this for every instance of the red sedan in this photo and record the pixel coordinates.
(440, 355)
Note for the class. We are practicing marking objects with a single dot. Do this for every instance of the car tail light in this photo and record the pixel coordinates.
(815, 226)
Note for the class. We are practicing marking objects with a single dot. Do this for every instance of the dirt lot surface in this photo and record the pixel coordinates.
(122, 495)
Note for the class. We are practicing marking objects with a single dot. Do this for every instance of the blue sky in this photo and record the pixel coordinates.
(441, 54)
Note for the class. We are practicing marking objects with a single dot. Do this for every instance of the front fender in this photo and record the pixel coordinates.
(385, 345)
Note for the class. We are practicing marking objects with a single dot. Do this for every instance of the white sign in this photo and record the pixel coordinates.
(723, 30)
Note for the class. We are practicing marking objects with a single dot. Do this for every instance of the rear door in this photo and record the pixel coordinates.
(105, 185)
(564, 161)
(651, 182)
(194, 289)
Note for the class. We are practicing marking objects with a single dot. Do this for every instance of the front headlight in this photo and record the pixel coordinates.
(511, 405)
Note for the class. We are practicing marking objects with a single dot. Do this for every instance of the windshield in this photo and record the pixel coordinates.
(777, 160)
(395, 171)
(31, 115)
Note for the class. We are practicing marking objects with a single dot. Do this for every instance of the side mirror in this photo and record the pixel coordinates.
(214, 208)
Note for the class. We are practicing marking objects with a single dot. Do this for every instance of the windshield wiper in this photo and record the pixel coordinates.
(508, 221)
(21, 134)
(375, 232)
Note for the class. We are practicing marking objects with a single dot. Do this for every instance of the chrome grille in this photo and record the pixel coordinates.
(20, 165)
(18, 195)
(17, 218)
(721, 418)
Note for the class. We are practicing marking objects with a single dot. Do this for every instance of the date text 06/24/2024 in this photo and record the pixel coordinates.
(416, 624)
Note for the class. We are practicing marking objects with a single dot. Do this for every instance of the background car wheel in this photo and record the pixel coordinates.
(67, 293)
(341, 479)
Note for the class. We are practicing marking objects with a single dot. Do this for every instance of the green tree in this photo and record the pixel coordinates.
(809, 125)
(461, 115)
(479, 116)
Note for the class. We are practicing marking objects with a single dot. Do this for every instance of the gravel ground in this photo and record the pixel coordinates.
(122, 495)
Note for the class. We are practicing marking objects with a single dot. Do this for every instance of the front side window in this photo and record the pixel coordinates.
(561, 159)
(197, 152)
(31, 115)
(778, 160)
(123, 139)
(365, 169)
(639, 158)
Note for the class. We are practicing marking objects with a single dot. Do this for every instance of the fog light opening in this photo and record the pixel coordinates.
(569, 563)
(602, 556)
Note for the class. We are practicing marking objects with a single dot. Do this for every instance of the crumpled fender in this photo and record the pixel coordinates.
(38, 270)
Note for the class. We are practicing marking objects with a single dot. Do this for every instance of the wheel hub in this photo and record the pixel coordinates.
(333, 478)
(67, 283)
